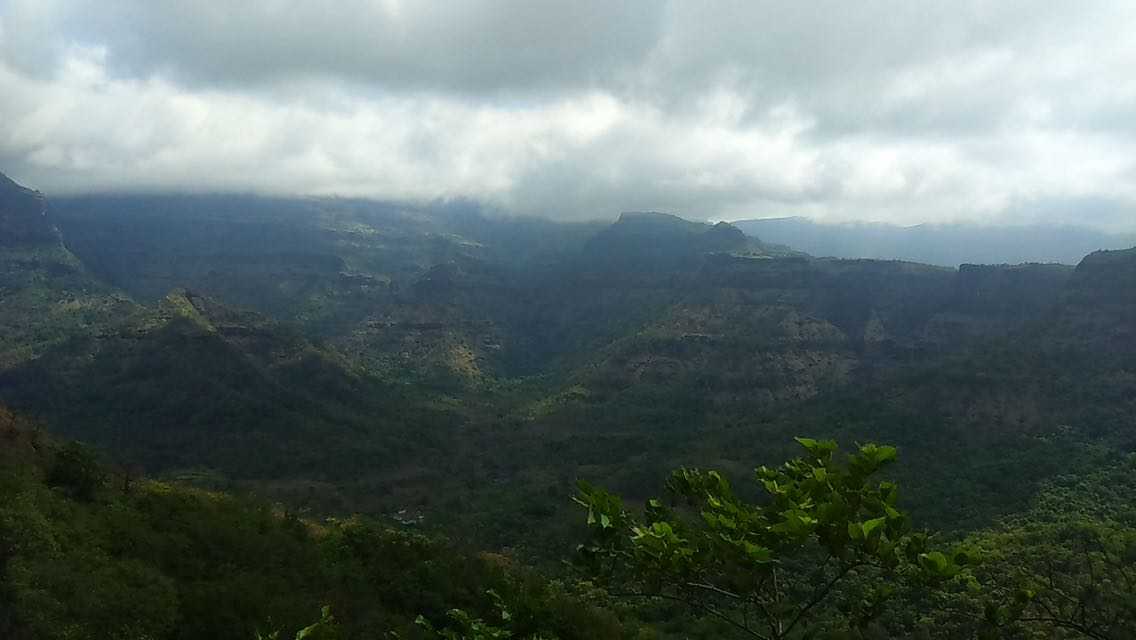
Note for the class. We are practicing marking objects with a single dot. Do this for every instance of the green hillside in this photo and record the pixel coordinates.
(89, 551)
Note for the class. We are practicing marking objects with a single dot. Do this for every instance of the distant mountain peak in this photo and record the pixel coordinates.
(629, 216)
(653, 237)
(1111, 257)
(727, 234)
(655, 220)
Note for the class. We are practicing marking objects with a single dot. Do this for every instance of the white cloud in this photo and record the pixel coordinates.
(896, 111)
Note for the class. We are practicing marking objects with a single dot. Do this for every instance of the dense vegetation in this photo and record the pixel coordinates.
(87, 551)
(90, 551)
(458, 373)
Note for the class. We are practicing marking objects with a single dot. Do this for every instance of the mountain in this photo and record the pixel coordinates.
(947, 245)
(186, 382)
(660, 236)
(460, 371)
(1098, 314)
(47, 295)
(196, 389)
(348, 354)
(746, 352)
(23, 216)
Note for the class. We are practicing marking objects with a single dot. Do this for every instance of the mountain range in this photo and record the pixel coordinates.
(376, 355)
(438, 368)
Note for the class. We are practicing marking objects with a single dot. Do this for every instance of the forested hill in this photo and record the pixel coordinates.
(1101, 305)
(461, 371)
(95, 551)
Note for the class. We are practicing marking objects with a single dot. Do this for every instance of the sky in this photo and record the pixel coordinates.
(907, 112)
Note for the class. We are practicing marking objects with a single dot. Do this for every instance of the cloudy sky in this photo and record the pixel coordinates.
(898, 111)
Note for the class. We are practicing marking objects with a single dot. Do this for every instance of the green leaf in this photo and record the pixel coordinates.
(758, 553)
(878, 454)
(872, 525)
(890, 493)
(937, 564)
(822, 449)
(326, 620)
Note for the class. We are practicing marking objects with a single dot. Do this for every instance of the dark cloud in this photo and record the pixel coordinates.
(895, 111)
(459, 45)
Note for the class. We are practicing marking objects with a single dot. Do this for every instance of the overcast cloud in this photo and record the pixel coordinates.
(894, 111)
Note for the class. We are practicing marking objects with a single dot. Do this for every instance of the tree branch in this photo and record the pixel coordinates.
(714, 589)
(1088, 632)
(821, 595)
(697, 605)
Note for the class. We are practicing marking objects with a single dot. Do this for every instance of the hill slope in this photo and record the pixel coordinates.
(87, 552)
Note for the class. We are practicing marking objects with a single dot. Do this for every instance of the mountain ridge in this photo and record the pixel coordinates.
(508, 358)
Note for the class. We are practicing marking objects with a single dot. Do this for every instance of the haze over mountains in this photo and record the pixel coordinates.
(941, 244)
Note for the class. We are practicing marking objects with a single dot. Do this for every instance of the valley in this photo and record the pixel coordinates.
(445, 370)
(362, 349)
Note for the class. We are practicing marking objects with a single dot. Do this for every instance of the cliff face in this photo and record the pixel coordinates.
(1099, 307)
(1025, 289)
(46, 295)
(1106, 277)
(23, 216)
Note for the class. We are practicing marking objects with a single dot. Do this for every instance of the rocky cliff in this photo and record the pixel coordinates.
(23, 216)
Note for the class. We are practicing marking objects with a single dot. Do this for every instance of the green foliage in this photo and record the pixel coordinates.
(326, 628)
(171, 563)
(1064, 568)
(799, 563)
(1079, 577)
(463, 626)
(76, 469)
(82, 593)
(1069, 563)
